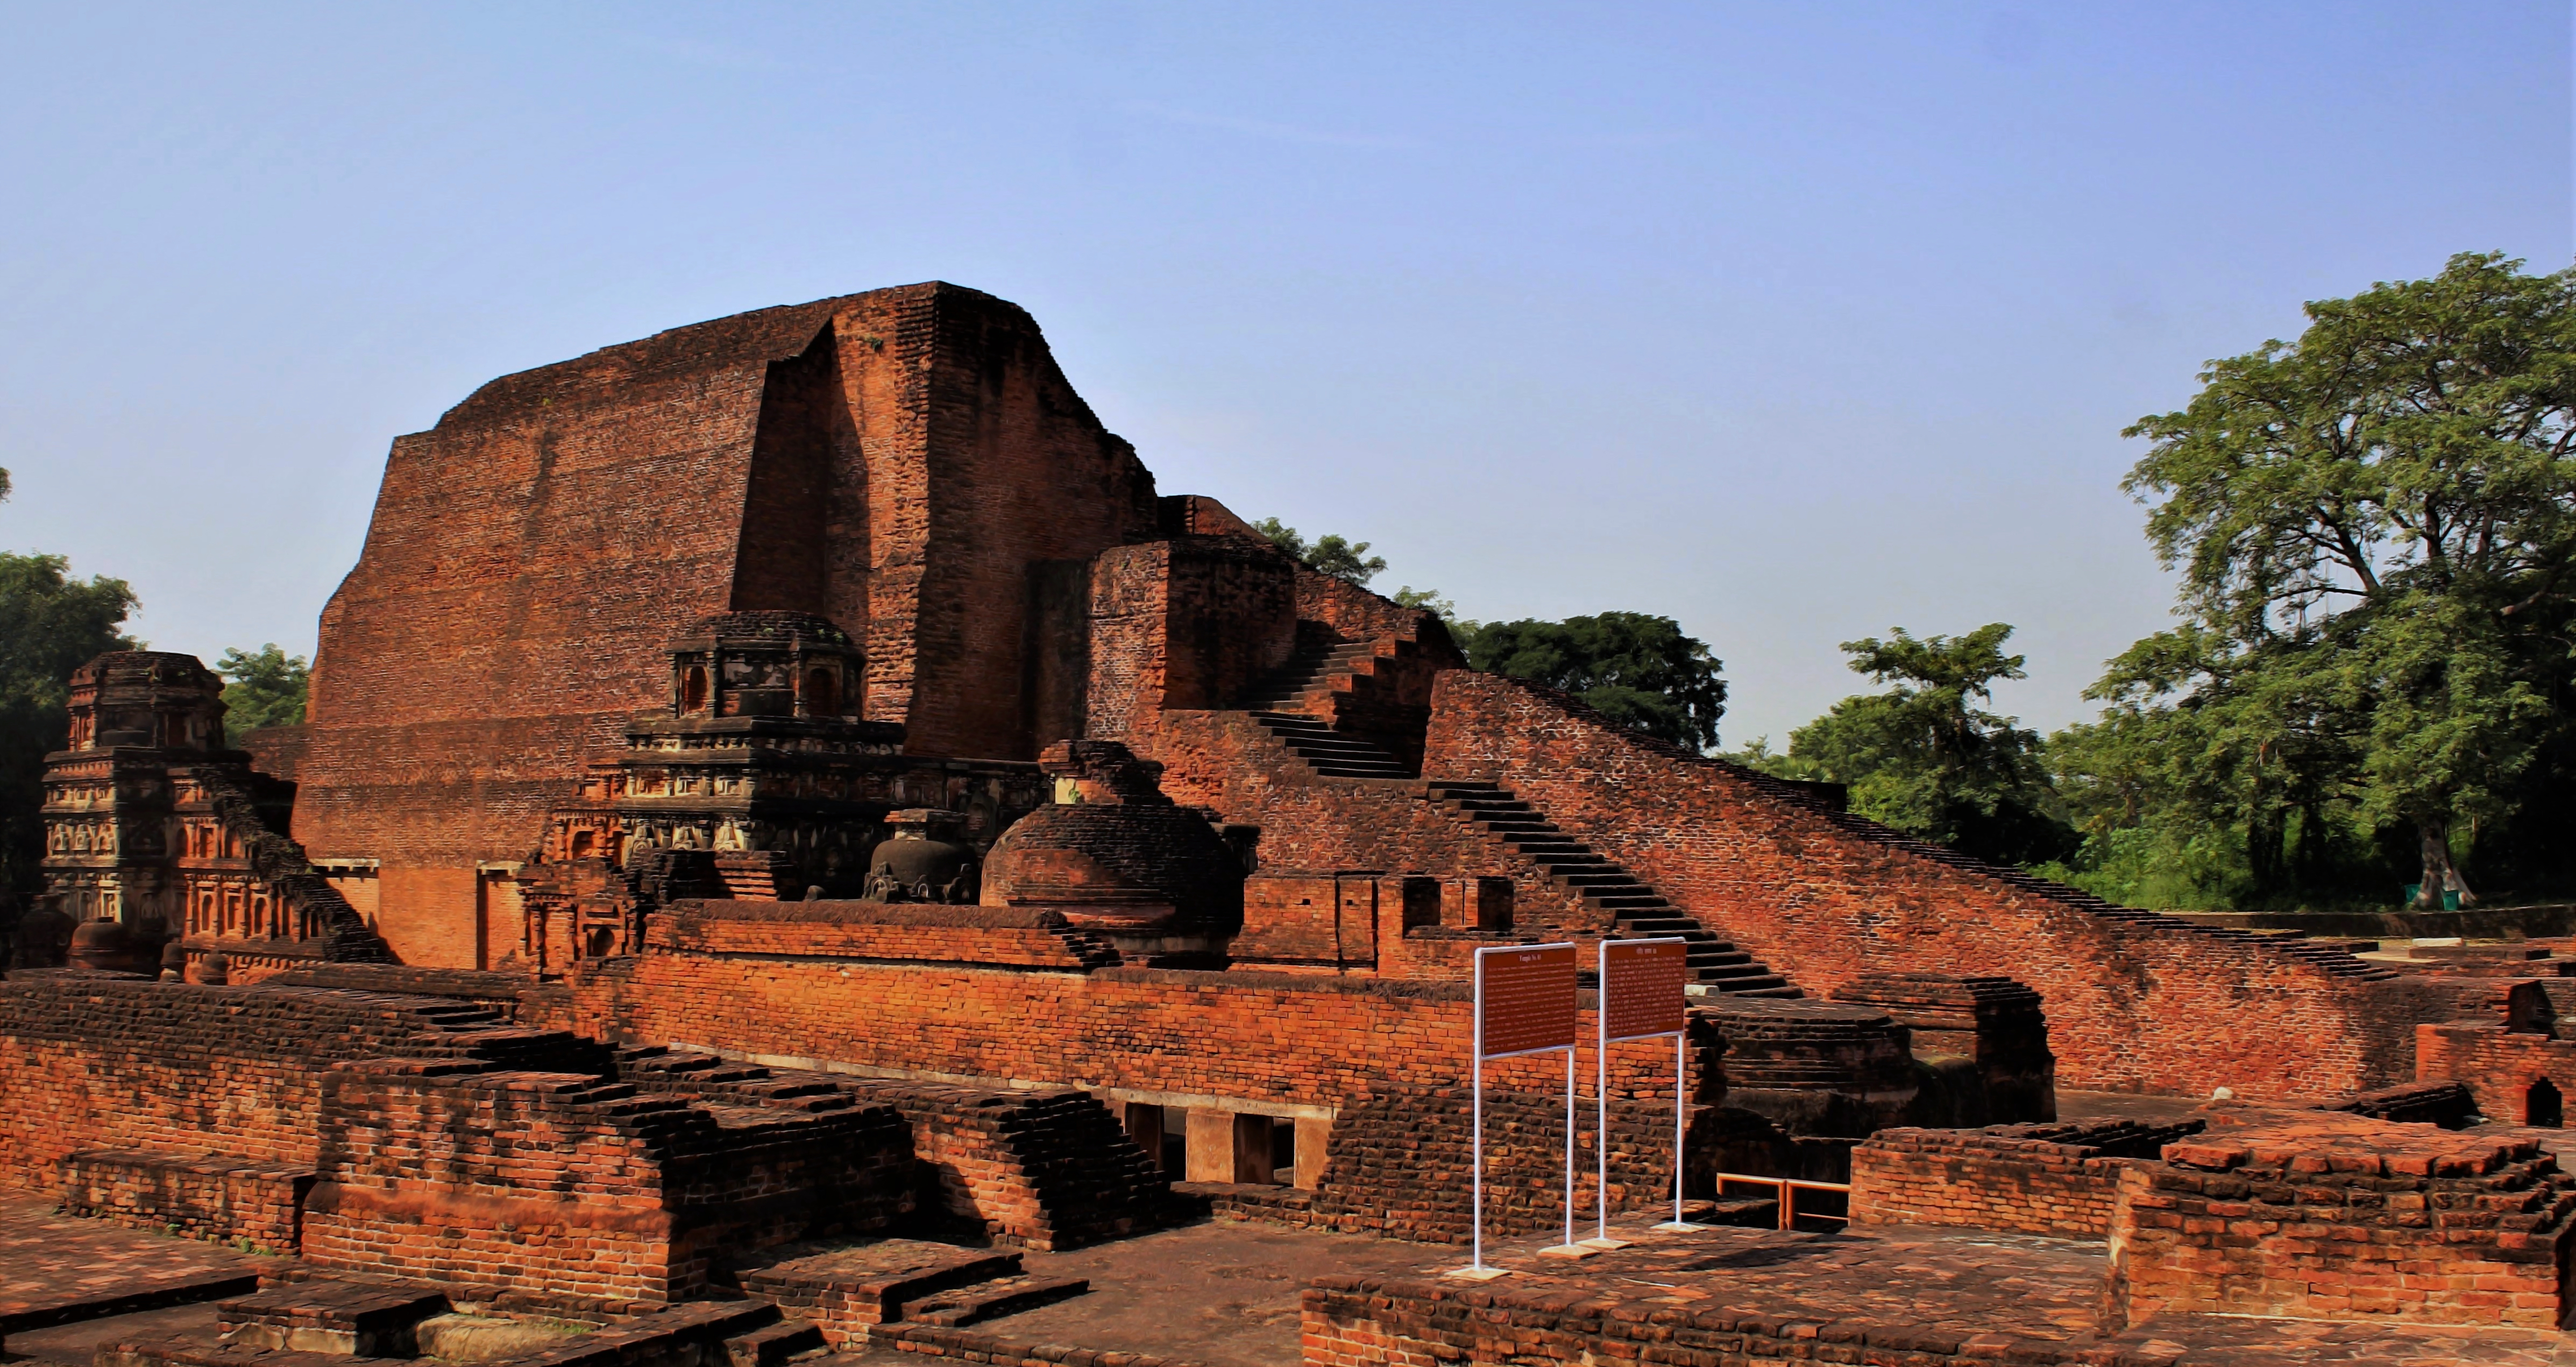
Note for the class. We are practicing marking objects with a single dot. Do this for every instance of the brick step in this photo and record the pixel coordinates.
(325, 1315)
(1330, 753)
(966, 1305)
(772, 1344)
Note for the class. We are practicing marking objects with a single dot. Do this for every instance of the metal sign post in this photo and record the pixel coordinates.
(1641, 997)
(1524, 1005)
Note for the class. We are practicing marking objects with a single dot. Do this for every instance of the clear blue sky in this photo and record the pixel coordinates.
(1794, 321)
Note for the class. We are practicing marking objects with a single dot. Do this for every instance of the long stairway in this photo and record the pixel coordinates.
(1638, 909)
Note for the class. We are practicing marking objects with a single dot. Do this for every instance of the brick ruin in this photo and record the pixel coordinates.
(792, 784)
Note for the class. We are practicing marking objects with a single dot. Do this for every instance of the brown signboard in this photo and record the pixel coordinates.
(1528, 998)
(1641, 988)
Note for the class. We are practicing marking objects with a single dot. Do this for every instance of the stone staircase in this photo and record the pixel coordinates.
(1637, 909)
(1307, 704)
(1331, 753)
(1306, 683)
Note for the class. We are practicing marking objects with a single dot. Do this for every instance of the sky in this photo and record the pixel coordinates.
(1793, 322)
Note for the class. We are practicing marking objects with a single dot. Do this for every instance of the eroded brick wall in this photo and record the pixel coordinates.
(1358, 1321)
(99, 1062)
(2033, 1179)
(874, 931)
(2356, 1220)
(219, 1199)
(572, 1187)
(2134, 1002)
(2509, 1072)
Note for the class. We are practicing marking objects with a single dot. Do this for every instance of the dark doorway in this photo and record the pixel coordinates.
(2542, 1106)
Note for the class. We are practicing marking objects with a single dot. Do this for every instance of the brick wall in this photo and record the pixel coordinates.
(875, 931)
(1397, 1164)
(1354, 1321)
(1225, 760)
(574, 1188)
(2500, 1066)
(2323, 1216)
(98, 1062)
(2033, 1179)
(1252, 1037)
(2134, 1002)
(202, 1197)
(1038, 1169)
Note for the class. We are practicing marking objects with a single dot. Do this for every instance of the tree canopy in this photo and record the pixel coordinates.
(1329, 554)
(1636, 669)
(1925, 758)
(2374, 527)
(263, 687)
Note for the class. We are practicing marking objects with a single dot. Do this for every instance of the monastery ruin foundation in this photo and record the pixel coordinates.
(795, 836)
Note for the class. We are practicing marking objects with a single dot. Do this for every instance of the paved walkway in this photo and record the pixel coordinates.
(59, 1268)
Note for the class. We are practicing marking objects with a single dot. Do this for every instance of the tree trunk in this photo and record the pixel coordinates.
(2439, 873)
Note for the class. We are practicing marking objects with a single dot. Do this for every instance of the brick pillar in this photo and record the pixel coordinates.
(1145, 1126)
(1252, 1149)
(1210, 1156)
(1313, 1134)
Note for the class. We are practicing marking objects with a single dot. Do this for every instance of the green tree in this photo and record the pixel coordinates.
(1926, 758)
(265, 687)
(1636, 669)
(1329, 554)
(2375, 527)
(50, 624)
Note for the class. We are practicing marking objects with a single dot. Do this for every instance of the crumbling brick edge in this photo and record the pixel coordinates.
(930, 1340)
(1379, 1319)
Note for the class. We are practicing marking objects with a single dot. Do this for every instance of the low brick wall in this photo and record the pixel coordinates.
(925, 1340)
(1046, 1169)
(203, 1196)
(2031, 1179)
(1366, 1321)
(576, 1189)
(876, 932)
(2500, 1067)
(95, 1061)
(2322, 1216)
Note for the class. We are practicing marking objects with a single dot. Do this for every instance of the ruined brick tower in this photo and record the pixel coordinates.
(906, 463)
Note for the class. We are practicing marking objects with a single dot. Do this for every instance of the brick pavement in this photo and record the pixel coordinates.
(60, 1268)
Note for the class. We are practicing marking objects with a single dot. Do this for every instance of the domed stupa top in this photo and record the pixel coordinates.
(1118, 856)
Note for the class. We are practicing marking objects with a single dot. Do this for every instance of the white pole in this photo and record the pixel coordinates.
(1569, 1144)
(1476, 1071)
(1601, 1091)
(1681, 1073)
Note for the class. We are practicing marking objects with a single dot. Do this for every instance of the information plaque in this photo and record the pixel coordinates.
(1641, 987)
(1527, 998)
(1524, 1005)
(1642, 997)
